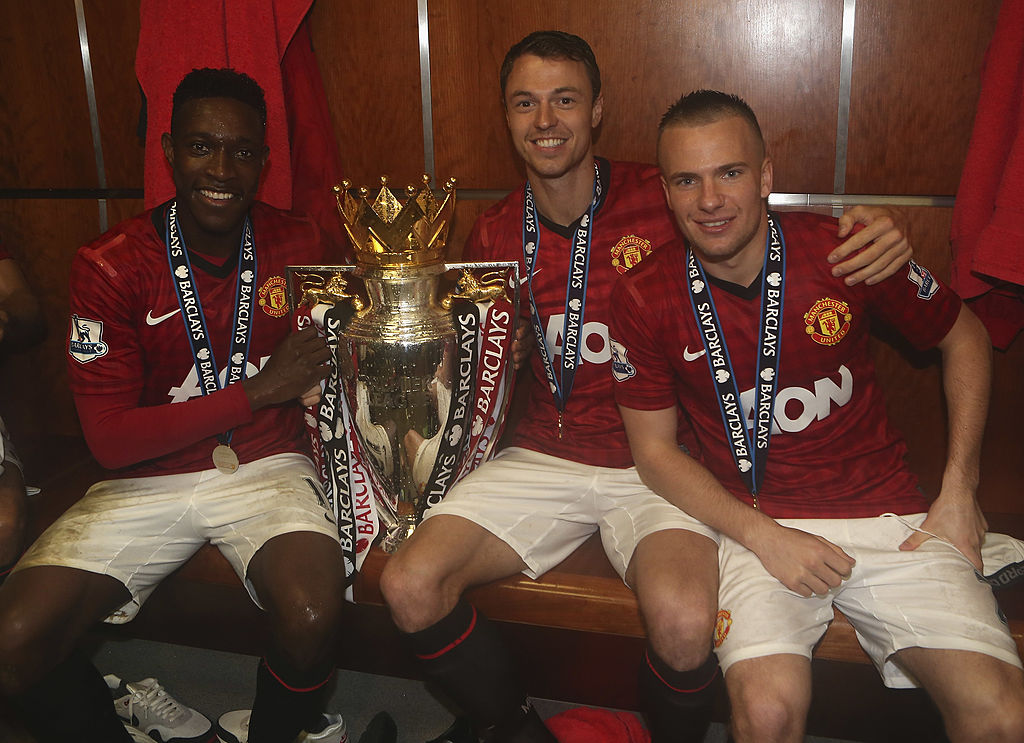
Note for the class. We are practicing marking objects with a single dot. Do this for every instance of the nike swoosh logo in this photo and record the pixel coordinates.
(150, 320)
(687, 356)
(524, 279)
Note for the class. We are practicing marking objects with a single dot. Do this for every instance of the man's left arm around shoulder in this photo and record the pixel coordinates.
(966, 380)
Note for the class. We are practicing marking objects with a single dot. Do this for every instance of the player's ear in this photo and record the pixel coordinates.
(597, 111)
(167, 144)
(766, 177)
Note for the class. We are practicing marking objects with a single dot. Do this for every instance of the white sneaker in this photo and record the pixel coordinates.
(233, 727)
(147, 706)
(137, 735)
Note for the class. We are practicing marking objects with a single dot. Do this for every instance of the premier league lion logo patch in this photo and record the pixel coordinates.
(926, 283)
(86, 341)
(828, 321)
(274, 296)
(621, 368)
(629, 251)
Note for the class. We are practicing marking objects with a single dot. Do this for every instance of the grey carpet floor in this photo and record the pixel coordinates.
(216, 682)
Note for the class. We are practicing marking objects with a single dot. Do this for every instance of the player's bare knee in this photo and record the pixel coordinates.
(682, 641)
(18, 655)
(398, 583)
(416, 594)
(995, 719)
(766, 719)
(1006, 725)
(306, 617)
(680, 631)
(771, 708)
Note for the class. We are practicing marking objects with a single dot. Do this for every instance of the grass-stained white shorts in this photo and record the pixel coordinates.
(931, 597)
(544, 507)
(139, 530)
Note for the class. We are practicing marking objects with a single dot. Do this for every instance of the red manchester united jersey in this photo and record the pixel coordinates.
(128, 342)
(629, 221)
(832, 452)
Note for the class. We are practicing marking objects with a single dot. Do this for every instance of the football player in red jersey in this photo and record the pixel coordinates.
(743, 327)
(574, 226)
(187, 389)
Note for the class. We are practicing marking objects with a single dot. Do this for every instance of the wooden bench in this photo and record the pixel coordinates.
(576, 630)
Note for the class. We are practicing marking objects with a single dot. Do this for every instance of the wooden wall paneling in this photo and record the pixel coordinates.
(911, 380)
(916, 79)
(368, 51)
(119, 210)
(45, 137)
(466, 212)
(785, 63)
(467, 43)
(1002, 463)
(113, 27)
(912, 387)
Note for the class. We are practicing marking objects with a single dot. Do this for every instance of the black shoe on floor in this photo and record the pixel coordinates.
(382, 729)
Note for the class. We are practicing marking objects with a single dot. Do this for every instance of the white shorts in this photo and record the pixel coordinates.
(545, 507)
(140, 530)
(931, 597)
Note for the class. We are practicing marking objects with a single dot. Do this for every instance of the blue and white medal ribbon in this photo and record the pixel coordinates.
(749, 457)
(575, 296)
(224, 458)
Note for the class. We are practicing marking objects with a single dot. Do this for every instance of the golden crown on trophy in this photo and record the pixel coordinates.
(389, 231)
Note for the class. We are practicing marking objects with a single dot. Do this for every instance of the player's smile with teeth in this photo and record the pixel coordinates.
(216, 195)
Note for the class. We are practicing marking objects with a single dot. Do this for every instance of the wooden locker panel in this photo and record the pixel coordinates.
(45, 136)
(649, 55)
(916, 80)
(113, 37)
(368, 52)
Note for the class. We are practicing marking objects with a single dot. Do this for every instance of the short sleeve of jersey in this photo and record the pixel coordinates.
(916, 304)
(643, 376)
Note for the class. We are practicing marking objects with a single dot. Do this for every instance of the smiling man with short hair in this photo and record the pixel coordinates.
(742, 326)
(186, 378)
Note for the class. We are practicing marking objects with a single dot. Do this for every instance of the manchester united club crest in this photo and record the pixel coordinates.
(828, 321)
(629, 251)
(274, 296)
(722, 624)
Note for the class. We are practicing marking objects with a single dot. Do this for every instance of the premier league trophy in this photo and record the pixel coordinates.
(421, 376)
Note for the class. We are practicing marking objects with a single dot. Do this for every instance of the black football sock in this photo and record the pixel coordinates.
(677, 704)
(287, 701)
(464, 655)
(72, 702)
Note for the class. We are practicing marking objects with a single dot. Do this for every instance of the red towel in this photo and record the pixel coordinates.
(316, 166)
(988, 219)
(588, 725)
(255, 37)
